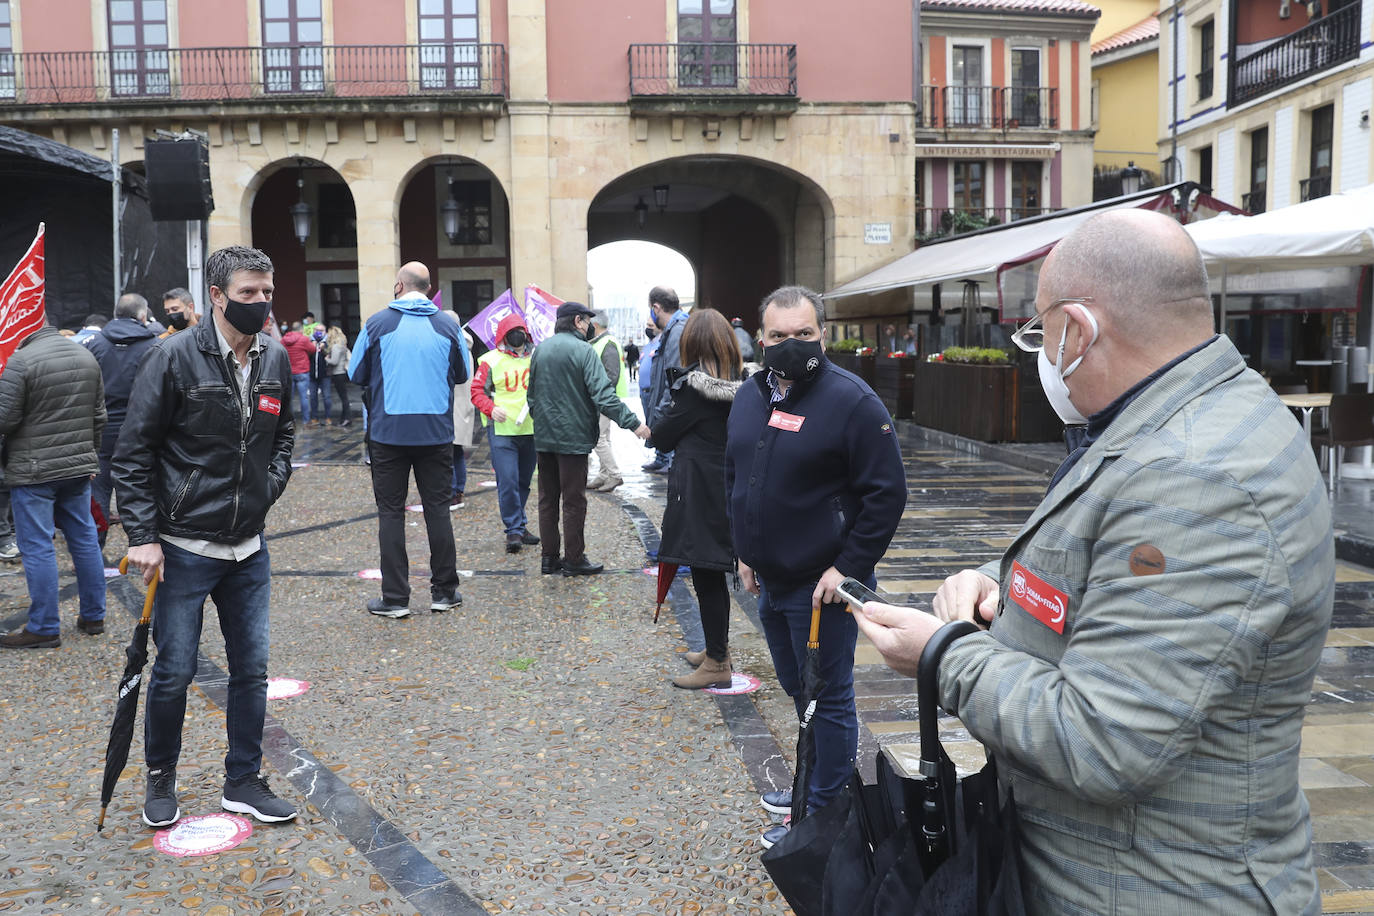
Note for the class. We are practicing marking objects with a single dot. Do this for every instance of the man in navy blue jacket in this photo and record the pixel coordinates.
(816, 489)
(408, 358)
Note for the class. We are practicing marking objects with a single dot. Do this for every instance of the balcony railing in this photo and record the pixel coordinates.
(1314, 187)
(713, 69)
(989, 107)
(1253, 202)
(1318, 46)
(231, 74)
(933, 222)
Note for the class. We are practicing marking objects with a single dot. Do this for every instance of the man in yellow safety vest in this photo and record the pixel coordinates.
(498, 390)
(607, 477)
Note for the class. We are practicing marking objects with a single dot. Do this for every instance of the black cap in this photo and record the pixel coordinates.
(573, 310)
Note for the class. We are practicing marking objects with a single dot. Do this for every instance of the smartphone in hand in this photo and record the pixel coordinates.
(856, 593)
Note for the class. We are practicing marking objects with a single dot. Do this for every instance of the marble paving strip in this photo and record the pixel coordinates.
(763, 758)
(423, 885)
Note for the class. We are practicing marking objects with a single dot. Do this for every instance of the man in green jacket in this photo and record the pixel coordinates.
(568, 388)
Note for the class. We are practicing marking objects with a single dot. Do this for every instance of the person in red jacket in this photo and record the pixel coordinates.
(300, 349)
(498, 389)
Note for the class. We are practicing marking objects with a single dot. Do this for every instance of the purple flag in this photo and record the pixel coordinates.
(541, 309)
(485, 322)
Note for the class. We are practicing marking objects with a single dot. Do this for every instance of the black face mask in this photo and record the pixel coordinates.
(177, 320)
(516, 339)
(246, 317)
(793, 359)
(651, 333)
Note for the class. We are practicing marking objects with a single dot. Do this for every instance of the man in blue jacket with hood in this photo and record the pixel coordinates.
(409, 357)
(815, 488)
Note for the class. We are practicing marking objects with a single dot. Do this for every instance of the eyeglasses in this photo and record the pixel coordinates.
(1031, 335)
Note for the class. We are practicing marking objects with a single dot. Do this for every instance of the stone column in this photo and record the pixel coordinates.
(528, 114)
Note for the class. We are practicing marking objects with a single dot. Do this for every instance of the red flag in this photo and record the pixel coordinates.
(21, 300)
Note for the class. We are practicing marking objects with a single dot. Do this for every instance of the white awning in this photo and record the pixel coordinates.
(978, 256)
(1331, 231)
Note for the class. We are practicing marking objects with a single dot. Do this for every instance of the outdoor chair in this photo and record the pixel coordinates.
(1290, 389)
(1350, 422)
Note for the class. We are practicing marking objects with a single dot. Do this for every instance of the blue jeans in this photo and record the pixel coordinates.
(39, 509)
(301, 382)
(786, 619)
(320, 387)
(514, 459)
(242, 593)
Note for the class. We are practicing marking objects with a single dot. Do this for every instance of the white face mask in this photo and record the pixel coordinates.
(1052, 375)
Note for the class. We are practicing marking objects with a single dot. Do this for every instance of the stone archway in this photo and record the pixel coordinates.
(321, 275)
(746, 225)
(473, 267)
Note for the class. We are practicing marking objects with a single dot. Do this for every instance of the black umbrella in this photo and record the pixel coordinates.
(122, 728)
(966, 840)
(930, 844)
(797, 862)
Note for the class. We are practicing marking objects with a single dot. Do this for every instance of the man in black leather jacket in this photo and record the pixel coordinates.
(204, 453)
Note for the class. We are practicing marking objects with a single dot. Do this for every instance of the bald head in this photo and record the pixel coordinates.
(1140, 268)
(413, 276)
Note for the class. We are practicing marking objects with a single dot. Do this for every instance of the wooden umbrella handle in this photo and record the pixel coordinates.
(148, 598)
(813, 640)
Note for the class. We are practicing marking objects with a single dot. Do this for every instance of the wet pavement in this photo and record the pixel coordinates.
(526, 752)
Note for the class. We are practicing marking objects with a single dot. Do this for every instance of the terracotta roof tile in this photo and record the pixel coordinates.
(1073, 8)
(1142, 31)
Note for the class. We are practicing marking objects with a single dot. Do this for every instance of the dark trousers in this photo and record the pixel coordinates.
(341, 389)
(563, 477)
(433, 467)
(713, 600)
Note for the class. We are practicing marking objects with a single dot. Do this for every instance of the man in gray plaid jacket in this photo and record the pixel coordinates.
(1157, 623)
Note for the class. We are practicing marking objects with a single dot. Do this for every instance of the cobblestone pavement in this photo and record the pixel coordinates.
(524, 753)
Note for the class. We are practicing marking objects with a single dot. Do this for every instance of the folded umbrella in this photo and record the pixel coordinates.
(666, 572)
(126, 707)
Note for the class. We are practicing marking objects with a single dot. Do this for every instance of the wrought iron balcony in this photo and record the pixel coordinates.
(1253, 202)
(1314, 187)
(935, 222)
(989, 108)
(1320, 45)
(713, 69)
(253, 74)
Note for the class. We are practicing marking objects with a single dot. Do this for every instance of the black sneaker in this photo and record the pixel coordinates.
(513, 543)
(528, 539)
(250, 795)
(779, 801)
(446, 602)
(90, 627)
(160, 806)
(381, 608)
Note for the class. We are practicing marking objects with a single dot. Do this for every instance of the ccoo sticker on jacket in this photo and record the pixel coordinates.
(269, 405)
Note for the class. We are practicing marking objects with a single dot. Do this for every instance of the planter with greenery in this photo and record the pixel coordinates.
(981, 394)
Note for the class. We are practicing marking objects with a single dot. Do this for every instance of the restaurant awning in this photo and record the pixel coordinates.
(1332, 231)
(980, 256)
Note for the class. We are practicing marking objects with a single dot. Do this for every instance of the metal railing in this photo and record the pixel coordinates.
(713, 68)
(1318, 46)
(1253, 202)
(230, 74)
(1314, 187)
(932, 222)
(989, 107)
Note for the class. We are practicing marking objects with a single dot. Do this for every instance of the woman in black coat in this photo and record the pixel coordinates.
(696, 532)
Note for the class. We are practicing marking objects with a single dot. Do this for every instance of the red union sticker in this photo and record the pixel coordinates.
(1043, 602)
(270, 405)
(788, 421)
